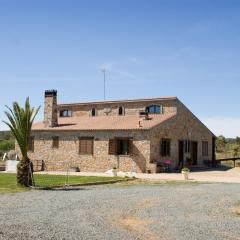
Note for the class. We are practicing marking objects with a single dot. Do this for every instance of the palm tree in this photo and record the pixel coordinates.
(20, 122)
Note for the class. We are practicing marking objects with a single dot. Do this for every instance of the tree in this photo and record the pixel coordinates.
(6, 145)
(238, 141)
(220, 143)
(20, 122)
(235, 151)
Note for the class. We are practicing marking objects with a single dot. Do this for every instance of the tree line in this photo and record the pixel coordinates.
(229, 147)
(7, 142)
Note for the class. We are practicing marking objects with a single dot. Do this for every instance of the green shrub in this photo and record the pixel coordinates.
(185, 169)
(6, 145)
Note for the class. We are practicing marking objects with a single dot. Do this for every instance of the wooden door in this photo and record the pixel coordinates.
(180, 153)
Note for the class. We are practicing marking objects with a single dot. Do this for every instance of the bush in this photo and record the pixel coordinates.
(185, 169)
(6, 145)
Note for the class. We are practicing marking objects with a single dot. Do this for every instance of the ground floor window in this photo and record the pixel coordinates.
(205, 148)
(165, 147)
(86, 145)
(120, 146)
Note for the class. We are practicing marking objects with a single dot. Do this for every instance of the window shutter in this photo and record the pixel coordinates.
(112, 150)
(55, 142)
(81, 146)
(86, 146)
(89, 146)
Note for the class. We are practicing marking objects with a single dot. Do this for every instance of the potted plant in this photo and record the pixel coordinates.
(167, 164)
(185, 173)
(114, 171)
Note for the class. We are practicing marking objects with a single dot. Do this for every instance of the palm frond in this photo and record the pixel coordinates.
(20, 122)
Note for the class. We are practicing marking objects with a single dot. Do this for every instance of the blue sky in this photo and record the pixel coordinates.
(188, 49)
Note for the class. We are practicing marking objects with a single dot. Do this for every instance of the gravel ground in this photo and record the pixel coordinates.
(144, 211)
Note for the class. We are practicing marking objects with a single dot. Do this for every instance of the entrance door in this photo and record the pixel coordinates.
(180, 153)
(194, 152)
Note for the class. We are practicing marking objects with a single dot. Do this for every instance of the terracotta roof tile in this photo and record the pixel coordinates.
(129, 122)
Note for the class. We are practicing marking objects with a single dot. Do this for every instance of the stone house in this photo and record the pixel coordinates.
(134, 135)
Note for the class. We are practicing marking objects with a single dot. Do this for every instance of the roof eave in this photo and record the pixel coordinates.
(74, 130)
(118, 101)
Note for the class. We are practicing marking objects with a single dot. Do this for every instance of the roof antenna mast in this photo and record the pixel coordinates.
(103, 69)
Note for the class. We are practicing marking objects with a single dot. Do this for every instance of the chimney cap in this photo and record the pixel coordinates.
(50, 93)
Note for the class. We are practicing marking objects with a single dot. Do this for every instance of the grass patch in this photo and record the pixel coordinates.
(47, 180)
(8, 181)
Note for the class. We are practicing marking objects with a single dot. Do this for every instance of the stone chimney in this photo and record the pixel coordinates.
(50, 109)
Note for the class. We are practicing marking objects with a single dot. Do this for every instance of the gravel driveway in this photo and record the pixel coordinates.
(165, 211)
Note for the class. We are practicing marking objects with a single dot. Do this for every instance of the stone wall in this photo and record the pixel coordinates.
(67, 154)
(50, 109)
(130, 108)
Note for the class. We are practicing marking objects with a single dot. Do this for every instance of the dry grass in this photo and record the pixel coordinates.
(152, 182)
(236, 209)
(138, 226)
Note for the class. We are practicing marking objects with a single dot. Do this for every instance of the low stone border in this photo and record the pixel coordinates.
(83, 184)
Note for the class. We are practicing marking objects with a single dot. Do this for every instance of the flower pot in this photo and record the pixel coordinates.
(114, 172)
(185, 175)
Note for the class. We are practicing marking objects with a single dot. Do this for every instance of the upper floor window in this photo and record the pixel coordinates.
(93, 112)
(154, 109)
(65, 113)
(120, 111)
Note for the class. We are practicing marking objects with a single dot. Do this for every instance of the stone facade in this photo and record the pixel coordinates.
(145, 153)
(184, 126)
(67, 155)
(130, 107)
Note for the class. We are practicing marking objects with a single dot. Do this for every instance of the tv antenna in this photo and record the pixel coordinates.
(103, 69)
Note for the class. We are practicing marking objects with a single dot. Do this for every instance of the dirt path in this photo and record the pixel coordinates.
(138, 225)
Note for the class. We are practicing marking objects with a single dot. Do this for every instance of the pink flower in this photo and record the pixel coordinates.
(168, 162)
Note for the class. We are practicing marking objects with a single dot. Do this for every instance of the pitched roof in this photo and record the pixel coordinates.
(129, 122)
(119, 101)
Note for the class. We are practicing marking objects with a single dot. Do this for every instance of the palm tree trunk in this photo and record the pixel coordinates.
(24, 176)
